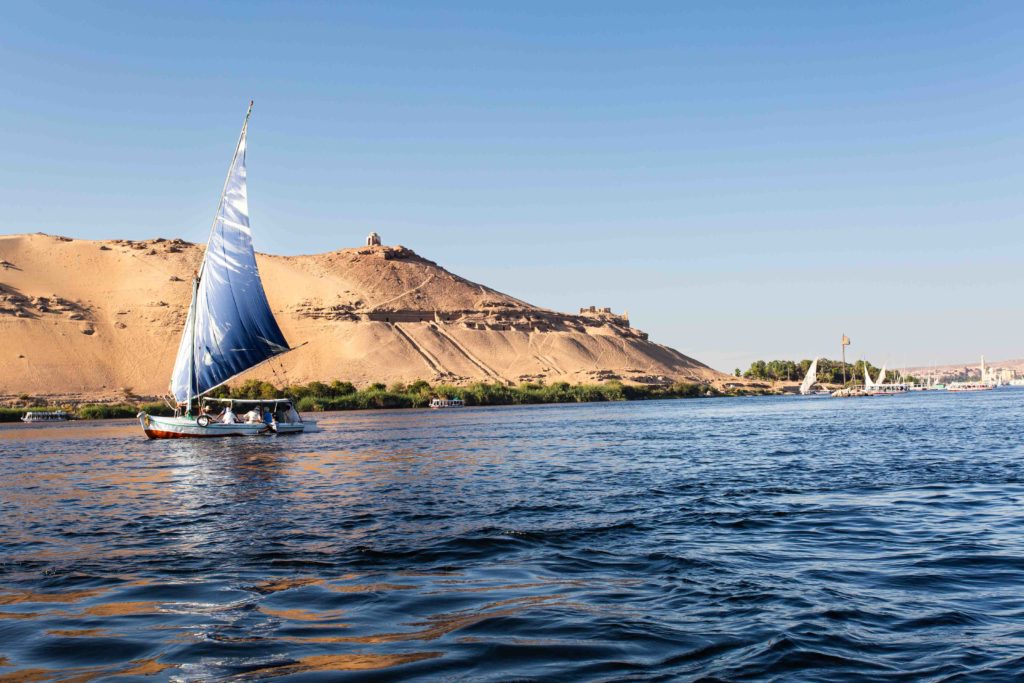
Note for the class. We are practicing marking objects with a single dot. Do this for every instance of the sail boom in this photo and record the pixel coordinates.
(276, 355)
(237, 374)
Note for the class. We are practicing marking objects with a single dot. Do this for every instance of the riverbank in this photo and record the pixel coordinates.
(319, 396)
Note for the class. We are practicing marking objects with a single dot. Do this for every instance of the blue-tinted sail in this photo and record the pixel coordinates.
(230, 327)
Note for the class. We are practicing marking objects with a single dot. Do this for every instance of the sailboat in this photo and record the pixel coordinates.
(810, 378)
(879, 386)
(869, 384)
(229, 329)
(984, 384)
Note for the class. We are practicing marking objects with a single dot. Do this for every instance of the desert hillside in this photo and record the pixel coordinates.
(91, 318)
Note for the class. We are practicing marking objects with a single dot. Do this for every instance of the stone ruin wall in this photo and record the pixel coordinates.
(475, 319)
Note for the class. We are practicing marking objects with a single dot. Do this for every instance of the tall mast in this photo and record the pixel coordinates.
(192, 346)
(844, 342)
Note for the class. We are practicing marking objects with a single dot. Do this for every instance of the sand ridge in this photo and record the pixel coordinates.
(93, 318)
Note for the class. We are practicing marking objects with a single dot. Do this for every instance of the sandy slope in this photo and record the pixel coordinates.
(90, 318)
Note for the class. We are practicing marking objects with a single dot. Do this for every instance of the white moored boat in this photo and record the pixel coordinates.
(984, 385)
(44, 416)
(879, 387)
(969, 386)
(230, 327)
(446, 403)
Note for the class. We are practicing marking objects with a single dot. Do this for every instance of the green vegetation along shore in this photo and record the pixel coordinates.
(829, 371)
(319, 396)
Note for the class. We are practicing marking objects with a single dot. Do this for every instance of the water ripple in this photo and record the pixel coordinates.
(734, 539)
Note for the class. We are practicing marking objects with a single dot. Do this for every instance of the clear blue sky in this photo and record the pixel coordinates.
(748, 179)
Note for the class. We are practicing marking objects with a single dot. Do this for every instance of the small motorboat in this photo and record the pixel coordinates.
(45, 416)
(438, 403)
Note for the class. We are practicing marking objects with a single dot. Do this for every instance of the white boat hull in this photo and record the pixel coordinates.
(289, 427)
(189, 428)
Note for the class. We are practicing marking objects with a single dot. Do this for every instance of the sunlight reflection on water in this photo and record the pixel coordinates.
(738, 538)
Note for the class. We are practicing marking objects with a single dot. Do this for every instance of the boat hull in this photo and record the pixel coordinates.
(289, 427)
(189, 428)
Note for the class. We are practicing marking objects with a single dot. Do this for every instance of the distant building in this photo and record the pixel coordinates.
(373, 240)
(605, 313)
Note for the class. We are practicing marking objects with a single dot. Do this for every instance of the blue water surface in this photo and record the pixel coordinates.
(738, 539)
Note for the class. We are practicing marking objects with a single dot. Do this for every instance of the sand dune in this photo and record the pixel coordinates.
(91, 318)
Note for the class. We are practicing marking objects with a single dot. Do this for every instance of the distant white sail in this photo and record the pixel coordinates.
(811, 378)
(881, 376)
(868, 384)
(230, 327)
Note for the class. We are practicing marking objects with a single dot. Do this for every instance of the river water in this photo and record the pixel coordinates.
(717, 539)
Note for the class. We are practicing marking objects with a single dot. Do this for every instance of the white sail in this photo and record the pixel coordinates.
(230, 327)
(182, 388)
(868, 384)
(881, 376)
(810, 378)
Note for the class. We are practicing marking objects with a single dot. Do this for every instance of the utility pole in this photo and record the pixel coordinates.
(844, 344)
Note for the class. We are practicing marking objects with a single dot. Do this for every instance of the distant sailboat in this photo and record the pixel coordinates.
(230, 327)
(879, 387)
(984, 384)
(810, 378)
(868, 383)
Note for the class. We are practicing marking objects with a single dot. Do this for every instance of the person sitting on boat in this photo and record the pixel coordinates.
(229, 416)
(268, 417)
(253, 416)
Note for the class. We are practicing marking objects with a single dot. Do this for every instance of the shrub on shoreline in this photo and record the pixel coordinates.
(91, 411)
(105, 411)
(418, 394)
(338, 395)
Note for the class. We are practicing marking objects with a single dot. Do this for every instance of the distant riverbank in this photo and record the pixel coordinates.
(338, 395)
